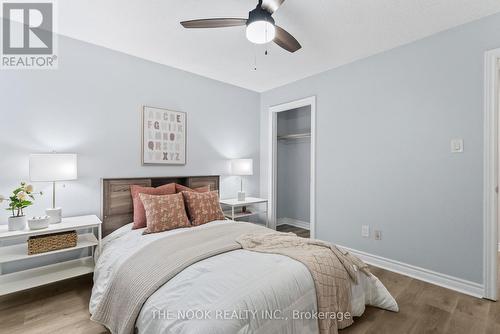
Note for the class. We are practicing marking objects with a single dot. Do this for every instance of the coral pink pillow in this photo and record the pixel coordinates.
(139, 212)
(164, 212)
(203, 207)
(180, 188)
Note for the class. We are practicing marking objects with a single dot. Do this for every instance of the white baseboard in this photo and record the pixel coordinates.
(293, 222)
(443, 280)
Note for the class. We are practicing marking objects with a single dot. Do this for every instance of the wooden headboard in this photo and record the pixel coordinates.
(117, 208)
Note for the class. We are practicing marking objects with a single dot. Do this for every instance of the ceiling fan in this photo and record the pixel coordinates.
(261, 27)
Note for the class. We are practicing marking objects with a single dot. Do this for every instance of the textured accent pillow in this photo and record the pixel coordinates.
(164, 212)
(139, 212)
(203, 208)
(180, 188)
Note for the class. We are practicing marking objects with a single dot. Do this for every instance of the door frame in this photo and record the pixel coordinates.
(491, 170)
(272, 167)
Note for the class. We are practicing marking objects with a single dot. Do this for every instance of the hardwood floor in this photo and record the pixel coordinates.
(58, 308)
(424, 308)
(297, 230)
(427, 308)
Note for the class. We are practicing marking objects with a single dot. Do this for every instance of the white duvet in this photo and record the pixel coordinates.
(235, 292)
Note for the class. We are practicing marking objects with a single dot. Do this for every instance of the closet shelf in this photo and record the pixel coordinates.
(295, 136)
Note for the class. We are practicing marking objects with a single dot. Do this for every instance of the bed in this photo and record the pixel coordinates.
(239, 291)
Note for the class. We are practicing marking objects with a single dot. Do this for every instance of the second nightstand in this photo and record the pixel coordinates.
(49, 273)
(237, 209)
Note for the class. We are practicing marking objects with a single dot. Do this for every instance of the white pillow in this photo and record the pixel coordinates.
(377, 295)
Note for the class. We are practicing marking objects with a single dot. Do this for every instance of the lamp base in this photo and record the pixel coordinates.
(241, 196)
(55, 215)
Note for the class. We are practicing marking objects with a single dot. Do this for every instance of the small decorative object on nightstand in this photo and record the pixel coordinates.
(53, 167)
(241, 167)
(236, 209)
(21, 198)
(88, 238)
(38, 223)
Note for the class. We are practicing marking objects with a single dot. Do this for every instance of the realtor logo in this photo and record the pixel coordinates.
(27, 35)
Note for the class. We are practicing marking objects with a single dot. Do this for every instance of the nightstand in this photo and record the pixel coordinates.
(235, 209)
(30, 278)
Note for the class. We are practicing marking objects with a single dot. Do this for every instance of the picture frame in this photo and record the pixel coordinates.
(164, 136)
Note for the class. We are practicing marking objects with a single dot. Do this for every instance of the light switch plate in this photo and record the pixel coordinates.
(457, 145)
(378, 235)
(365, 231)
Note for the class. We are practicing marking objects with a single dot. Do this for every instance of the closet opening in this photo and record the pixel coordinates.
(292, 172)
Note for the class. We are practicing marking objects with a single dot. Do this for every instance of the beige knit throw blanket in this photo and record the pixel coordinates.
(152, 266)
(332, 271)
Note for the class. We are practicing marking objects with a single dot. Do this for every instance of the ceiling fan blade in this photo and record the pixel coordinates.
(214, 23)
(286, 41)
(271, 5)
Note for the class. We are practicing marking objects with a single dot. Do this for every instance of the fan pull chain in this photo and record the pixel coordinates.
(255, 59)
(265, 53)
(256, 52)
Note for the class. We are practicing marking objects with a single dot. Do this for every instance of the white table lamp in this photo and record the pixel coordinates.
(53, 167)
(241, 167)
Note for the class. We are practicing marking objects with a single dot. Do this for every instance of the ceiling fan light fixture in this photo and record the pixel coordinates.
(260, 26)
(261, 32)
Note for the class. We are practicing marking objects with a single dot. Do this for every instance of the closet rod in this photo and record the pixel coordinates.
(295, 136)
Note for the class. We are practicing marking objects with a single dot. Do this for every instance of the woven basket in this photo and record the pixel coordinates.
(51, 242)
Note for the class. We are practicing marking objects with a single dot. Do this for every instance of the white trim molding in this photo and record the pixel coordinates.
(490, 175)
(293, 222)
(429, 276)
(272, 148)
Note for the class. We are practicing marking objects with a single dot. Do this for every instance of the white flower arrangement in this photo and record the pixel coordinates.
(21, 198)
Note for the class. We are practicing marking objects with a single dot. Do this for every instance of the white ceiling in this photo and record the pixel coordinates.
(332, 33)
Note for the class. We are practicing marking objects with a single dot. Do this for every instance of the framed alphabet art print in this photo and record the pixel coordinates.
(163, 136)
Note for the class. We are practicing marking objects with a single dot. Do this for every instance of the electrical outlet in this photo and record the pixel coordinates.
(365, 231)
(377, 234)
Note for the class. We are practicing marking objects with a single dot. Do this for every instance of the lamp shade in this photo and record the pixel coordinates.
(242, 167)
(53, 167)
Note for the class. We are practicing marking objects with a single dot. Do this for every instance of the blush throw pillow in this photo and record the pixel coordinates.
(164, 212)
(180, 188)
(202, 208)
(139, 212)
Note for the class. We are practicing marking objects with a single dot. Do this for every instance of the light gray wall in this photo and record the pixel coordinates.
(294, 121)
(91, 104)
(294, 165)
(384, 126)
